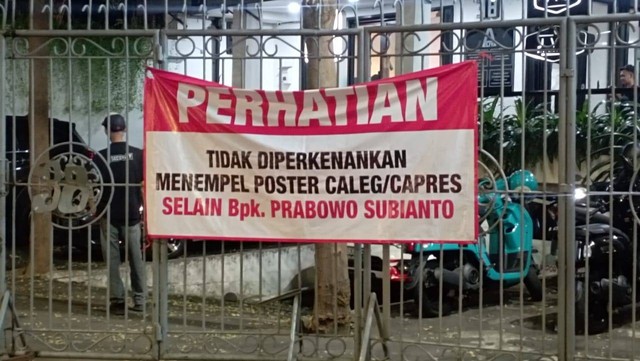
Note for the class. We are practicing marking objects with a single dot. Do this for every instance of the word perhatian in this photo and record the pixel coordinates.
(326, 107)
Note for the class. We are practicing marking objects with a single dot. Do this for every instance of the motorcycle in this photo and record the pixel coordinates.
(605, 259)
(603, 236)
(503, 254)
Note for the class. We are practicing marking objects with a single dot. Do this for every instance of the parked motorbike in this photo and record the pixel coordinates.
(605, 260)
(603, 237)
(503, 254)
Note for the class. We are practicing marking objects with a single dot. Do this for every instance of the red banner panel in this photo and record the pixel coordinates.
(392, 160)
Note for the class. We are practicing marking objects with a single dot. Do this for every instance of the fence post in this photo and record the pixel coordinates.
(566, 179)
(363, 69)
(159, 247)
(3, 177)
(3, 169)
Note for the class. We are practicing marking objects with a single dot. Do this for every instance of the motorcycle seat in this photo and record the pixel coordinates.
(593, 214)
(597, 229)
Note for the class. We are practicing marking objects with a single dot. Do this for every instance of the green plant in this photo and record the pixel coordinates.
(101, 73)
(507, 132)
(87, 74)
(610, 130)
(523, 135)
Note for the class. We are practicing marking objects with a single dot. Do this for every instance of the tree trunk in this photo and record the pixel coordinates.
(331, 310)
(39, 125)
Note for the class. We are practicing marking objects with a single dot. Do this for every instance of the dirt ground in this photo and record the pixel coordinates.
(71, 319)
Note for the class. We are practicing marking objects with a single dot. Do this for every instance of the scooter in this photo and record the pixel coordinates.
(503, 253)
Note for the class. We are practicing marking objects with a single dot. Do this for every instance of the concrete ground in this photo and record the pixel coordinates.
(69, 320)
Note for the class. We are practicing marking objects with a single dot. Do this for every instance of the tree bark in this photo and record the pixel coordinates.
(333, 293)
(39, 126)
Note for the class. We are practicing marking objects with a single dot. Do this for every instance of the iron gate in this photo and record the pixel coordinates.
(226, 300)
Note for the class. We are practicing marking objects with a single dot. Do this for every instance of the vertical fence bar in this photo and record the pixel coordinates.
(357, 298)
(4, 7)
(3, 175)
(634, 284)
(3, 190)
(570, 142)
(386, 290)
(566, 178)
(160, 265)
(562, 201)
(364, 63)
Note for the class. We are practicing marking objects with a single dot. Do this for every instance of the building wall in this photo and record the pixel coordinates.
(282, 71)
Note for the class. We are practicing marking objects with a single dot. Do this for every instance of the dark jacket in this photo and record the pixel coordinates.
(120, 158)
(627, 94)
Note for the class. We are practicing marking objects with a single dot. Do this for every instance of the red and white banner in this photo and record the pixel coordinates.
(387, 161)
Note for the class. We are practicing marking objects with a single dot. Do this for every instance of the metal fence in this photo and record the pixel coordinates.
(566, 291)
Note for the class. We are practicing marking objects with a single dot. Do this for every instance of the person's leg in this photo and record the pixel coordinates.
(111, 255)
(137, 266)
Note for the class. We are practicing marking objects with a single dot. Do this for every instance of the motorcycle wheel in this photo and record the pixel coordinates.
(430, 301)
(175, 249)
(534, 283)
(597, 320)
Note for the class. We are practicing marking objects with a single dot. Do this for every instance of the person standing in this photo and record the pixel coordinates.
(122, 222)
(627, 90)
(627, 76)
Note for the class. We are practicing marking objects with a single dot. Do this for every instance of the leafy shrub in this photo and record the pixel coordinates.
(521, 136)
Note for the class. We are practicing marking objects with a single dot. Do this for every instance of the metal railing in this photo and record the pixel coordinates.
(228, 300)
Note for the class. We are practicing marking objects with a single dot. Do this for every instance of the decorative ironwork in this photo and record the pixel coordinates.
(69, 176)
(94, 341)
(70, 184)
(219, 343)
(85, 47)
(324, 347)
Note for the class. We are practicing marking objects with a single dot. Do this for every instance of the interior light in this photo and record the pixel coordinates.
(293, 7)
(556, 7)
